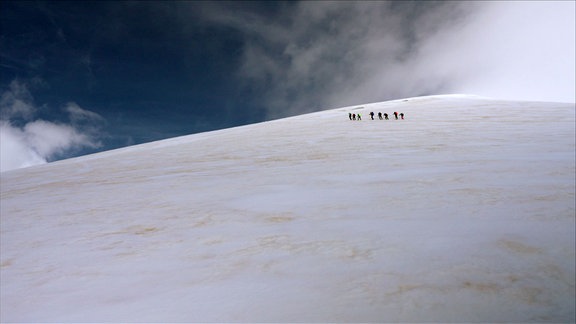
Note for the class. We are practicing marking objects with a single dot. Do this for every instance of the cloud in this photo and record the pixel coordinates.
(78, 115)
(310, 55)
(325, 54)
(27, 141)
(17, 102)
(515, 50)
(15, 151)
(50, 139)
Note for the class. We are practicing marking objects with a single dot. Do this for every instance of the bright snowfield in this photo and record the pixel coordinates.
(462, 212)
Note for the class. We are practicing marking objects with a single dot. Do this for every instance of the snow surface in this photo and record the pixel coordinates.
(463, 212)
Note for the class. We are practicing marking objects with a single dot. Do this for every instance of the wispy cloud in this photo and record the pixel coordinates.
(27, 140)
(17, 102)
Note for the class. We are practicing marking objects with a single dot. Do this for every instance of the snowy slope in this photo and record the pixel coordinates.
(462, 212)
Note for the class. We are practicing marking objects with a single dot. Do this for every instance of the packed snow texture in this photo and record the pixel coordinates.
(462, 212)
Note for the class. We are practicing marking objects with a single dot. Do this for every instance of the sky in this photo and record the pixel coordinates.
(79, 77)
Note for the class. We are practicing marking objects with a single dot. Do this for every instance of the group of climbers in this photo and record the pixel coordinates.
(380, 116)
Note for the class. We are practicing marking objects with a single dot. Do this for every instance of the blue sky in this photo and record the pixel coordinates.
(80, 77)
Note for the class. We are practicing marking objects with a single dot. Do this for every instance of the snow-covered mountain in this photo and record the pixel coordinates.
(462, 212)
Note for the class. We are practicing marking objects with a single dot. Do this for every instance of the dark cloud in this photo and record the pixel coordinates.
(329, 54)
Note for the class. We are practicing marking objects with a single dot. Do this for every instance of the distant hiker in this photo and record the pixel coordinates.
(350, 116)
(402, 115)
(380, 115)
(359, 117)
(372, 115)
(386, 116)
(396, 115)
(353, 116)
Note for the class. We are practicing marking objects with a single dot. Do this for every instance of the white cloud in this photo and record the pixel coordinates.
(49, 139)
(519, 50)
(15, 151)
(35, 141)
